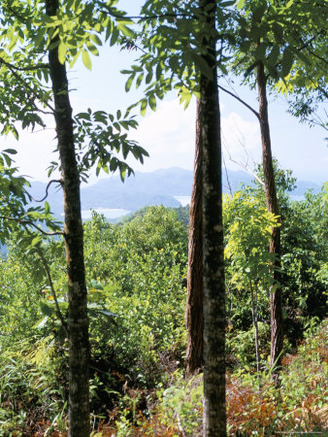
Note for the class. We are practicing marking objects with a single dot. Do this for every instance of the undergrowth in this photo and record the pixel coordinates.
(255, 406)
(33, 398)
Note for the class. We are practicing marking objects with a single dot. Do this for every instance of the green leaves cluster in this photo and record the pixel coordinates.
(249, 226)
(172, 59)
(101, 137)
(142, 267)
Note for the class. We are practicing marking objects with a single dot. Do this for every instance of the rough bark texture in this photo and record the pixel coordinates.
(79, 420)
(272, 205)
(194, 308)
(213, 261)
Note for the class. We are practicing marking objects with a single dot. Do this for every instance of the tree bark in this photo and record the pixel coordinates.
(79, 419)
(194, 307)
(213, 249)
(256, 327)
(272, 205)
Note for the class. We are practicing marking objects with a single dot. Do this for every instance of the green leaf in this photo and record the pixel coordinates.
(139, 80)
(126, 30)
(128, 83)
(62, 52)
(37, 240)
(114, 37)
(92, 48)
(46, 309)
(287, 62)
(202, 65)
(143, 107)
(46, 208)
(273, 56)
(123, 174)
(149, 77)
(260, 51)
(75, 58)
(42, 323)
(86, 59)
(10, 151)
(96, 39)
(152, 102)
(240, 4)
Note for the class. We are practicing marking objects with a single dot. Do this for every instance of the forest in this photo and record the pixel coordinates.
(208, 320)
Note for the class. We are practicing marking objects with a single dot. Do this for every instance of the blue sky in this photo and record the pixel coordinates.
(168, 133)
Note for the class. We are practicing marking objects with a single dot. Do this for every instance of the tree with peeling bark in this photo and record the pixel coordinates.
(172, 53)
(194, 304)
(181, 53)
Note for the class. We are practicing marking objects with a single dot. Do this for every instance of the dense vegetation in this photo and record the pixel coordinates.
(93, 315)
(136, 277)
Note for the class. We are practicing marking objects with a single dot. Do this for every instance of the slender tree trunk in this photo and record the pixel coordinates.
(213, 249)
(255, 324)
(79, 420)
(194, 308)
(272, 205)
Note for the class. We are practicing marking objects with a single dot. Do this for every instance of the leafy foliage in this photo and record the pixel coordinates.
(136, 272)
(299, 405)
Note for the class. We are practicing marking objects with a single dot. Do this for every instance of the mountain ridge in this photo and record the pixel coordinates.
(159, 187)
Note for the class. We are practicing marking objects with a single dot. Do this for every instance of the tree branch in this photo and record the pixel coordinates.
(47, 188)
(47, 269)
(29, 223)
(21, 80)
(147, 17)
(248, 170)
(30, 68)
(240, 100)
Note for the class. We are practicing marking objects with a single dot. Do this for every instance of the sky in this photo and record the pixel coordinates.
(169, 133)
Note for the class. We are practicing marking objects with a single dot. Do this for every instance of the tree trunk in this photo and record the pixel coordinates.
(79, 420)
(213, 249)
(272, 205)
(256, 327)
(194, 308)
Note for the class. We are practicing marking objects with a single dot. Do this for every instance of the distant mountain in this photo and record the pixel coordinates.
(303, 186)
(156, 188)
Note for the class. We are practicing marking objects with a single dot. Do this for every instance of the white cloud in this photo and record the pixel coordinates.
(169, 136)
(241, 140)
(34, 152)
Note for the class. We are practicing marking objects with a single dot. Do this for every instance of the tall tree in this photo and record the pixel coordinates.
(213, 247)
(194, 305)
(173, 55)
(268, 42)
(61, 32)
(79, 417)
(272, 205)
(181, 53)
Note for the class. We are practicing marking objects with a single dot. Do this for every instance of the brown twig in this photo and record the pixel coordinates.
(240, 100)
(47, 269)
(29, 223)
(47, 188)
